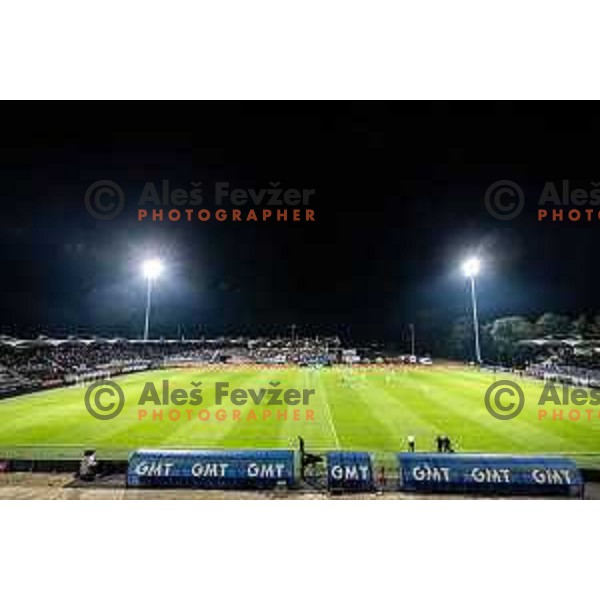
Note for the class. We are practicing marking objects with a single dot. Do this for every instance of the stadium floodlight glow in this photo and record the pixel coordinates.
(151, 269)
(471, 269)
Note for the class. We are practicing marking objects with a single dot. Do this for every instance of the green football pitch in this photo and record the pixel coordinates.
(372, 409)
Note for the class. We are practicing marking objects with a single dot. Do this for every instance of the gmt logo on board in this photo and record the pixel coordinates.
(476, 475)
(211, 468)
(221, 470)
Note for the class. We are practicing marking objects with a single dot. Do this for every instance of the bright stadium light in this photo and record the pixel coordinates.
(471, 269)
(151, 269)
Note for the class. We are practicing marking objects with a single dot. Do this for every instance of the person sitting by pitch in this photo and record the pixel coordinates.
(88, 466)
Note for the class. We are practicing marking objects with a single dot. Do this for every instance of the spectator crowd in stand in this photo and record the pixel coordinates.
(27, 365)
(570, 374)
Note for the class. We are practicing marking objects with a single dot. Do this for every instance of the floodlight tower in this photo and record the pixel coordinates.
(471, 270)
(151, 270)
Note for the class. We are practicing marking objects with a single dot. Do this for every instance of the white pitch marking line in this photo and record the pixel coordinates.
(335, 435)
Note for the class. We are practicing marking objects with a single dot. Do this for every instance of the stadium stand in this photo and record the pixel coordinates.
(28, 365)
(570, 374)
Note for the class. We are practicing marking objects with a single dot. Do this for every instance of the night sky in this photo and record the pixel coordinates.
(399, 203)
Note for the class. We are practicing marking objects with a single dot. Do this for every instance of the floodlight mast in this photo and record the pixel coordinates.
(471, 269)
(151, 270)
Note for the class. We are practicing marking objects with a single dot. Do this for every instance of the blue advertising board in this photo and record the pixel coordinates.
(482, 473)
(349, 471)
(211, 469)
